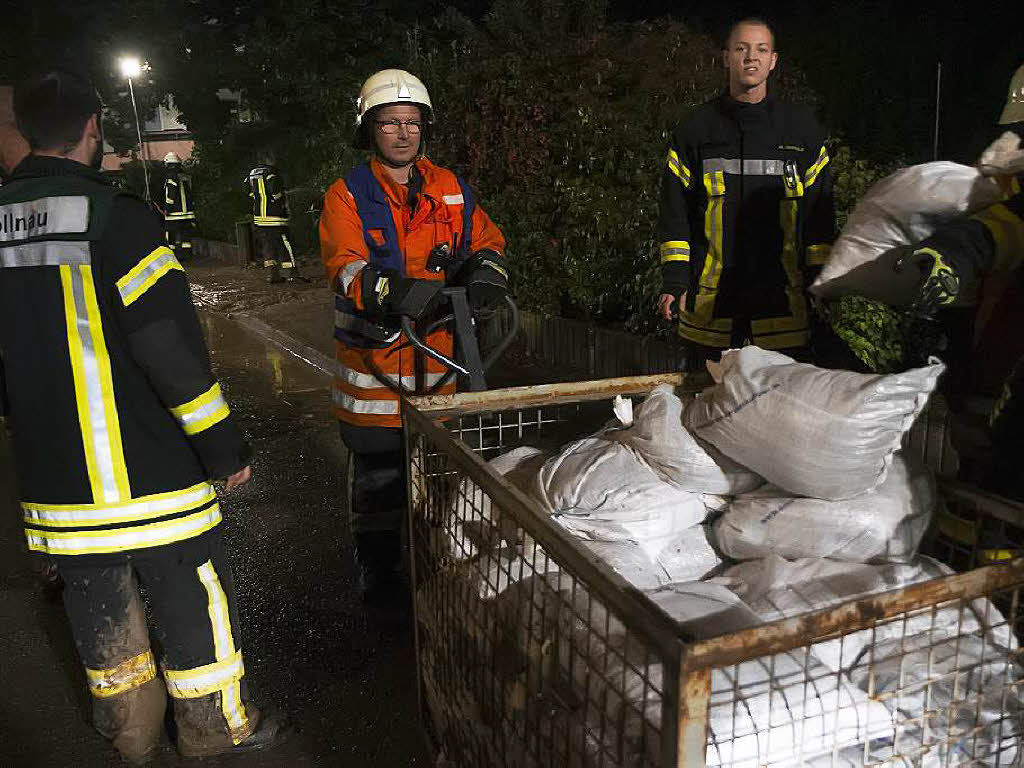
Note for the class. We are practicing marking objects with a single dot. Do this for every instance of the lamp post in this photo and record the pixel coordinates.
(131, 68)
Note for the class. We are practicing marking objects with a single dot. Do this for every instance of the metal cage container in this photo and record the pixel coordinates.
(531, 651)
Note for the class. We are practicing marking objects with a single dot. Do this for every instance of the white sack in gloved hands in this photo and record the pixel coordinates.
(658, 437)
(901, 209)
(883, 525)
(814, 432)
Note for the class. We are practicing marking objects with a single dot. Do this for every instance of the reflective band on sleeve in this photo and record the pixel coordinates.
(94, 391)
(127, 675)
(202, 681)
(369, 381)
(348, 274)
(61, 215)
(269, 221)
(746, 167)
(120, 539)
(143, 508)
(48, 253)
(678, 168)
(347, 402)
(453, 199)
(143, 275)
(812, 173)
(675, 250)
(495, 266)
(203, 412)
(817, 255)
(179, 216)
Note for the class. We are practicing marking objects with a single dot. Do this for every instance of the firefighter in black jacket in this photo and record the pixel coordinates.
(746, 211)
(270, 222)
(119, 426)
(179, 207)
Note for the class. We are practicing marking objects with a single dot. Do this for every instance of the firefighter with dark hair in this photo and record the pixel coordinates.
(178, 207)
(119, 428)
(746, 213)
(393, 231)
(265, 188)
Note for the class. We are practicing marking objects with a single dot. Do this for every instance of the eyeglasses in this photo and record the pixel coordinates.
(391, 127)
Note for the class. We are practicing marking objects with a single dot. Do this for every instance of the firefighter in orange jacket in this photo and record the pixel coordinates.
(380, 227)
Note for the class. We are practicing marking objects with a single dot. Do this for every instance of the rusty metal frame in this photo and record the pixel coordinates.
(686, 702)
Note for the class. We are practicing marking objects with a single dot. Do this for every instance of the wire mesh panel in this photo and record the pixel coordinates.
(534, 653)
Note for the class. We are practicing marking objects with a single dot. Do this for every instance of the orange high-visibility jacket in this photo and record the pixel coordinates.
(358, 396)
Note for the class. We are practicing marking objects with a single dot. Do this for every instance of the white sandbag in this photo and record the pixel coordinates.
(881, 525)
(658, 437)
(606, 479)
(688, 556)
(899, 210)
(814, 432)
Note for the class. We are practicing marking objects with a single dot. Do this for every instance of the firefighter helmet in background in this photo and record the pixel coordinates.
(171, 158)
(1013, 112)
(387, 87)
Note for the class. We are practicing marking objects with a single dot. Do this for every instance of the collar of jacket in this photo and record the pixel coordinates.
(399, 193)
(733, 107)
(34, 166)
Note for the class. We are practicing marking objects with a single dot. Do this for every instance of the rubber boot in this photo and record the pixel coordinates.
(133, 720)
(273, 275)
(385, 588)
(202, 730)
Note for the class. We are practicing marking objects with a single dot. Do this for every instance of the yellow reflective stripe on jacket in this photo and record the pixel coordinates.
(204, 680)
(678, 168)
(94, 390)
(792, 330)
(168, 200)
(122, 539)
(675, 250)
(127, 675)
(202, 412)
(143, 275)
(262, 195)
(1007, 231)
(714, 185)
(812, 173)
(701, 326)
(817, 255)
(179, 216)
(224, 650)
(142, 508)
(269, 221)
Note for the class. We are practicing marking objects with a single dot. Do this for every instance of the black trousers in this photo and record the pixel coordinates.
(378, 501)
(274, 247)
(192, 597)
(179, 236)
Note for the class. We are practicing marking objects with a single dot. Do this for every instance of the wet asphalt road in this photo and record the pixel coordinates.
(309, 647)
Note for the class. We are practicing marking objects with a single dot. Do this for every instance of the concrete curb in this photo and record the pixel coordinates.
(314, 358)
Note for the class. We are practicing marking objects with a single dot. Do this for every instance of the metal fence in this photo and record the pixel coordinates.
(533, 652)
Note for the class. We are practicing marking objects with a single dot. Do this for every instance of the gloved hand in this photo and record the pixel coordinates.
(388, 293)
(939, 284)
(485, 280)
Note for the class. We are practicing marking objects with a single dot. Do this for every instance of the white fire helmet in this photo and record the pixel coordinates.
(170, 157)
(393, 86)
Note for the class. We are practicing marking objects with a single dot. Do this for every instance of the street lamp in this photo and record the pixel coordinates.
(131, 68)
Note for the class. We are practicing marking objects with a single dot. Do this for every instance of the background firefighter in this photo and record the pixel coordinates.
(265, 188)
(379, 227)
(746, 211)
(178, 207)
(118, 428)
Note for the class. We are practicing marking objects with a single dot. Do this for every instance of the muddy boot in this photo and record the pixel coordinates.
(383, 581)
(203, 731)
(270, 268)
(133, 720)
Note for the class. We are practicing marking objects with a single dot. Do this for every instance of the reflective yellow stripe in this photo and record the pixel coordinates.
(202, 681)
(202, 412)
(817, 255)
(701, 326)
(122, 539)
(224, 644)
(1008, 233)
(94, 391)
(263, 196)
(184, 202)
(675, 250)
(142, 508)
(812, 173)
(714, 185)
(269, 221)
(179, 216)
(127, 675)
(143, 275)
(678, 168)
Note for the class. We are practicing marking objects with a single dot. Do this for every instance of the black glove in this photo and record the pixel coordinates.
(388, 294)
(485, 280)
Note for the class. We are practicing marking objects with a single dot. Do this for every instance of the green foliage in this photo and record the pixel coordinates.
(872, 331)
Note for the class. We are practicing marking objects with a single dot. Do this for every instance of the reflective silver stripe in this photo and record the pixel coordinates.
(749, 167)
(179, 216)
(369, 381)
(148, 271)
(85, 515)
(46, 253)
(202, 681)
(94, 400)
(120, 539)
(202, 412)
(348, 274)
(64, 215)
(453, 199)
(346, 402)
